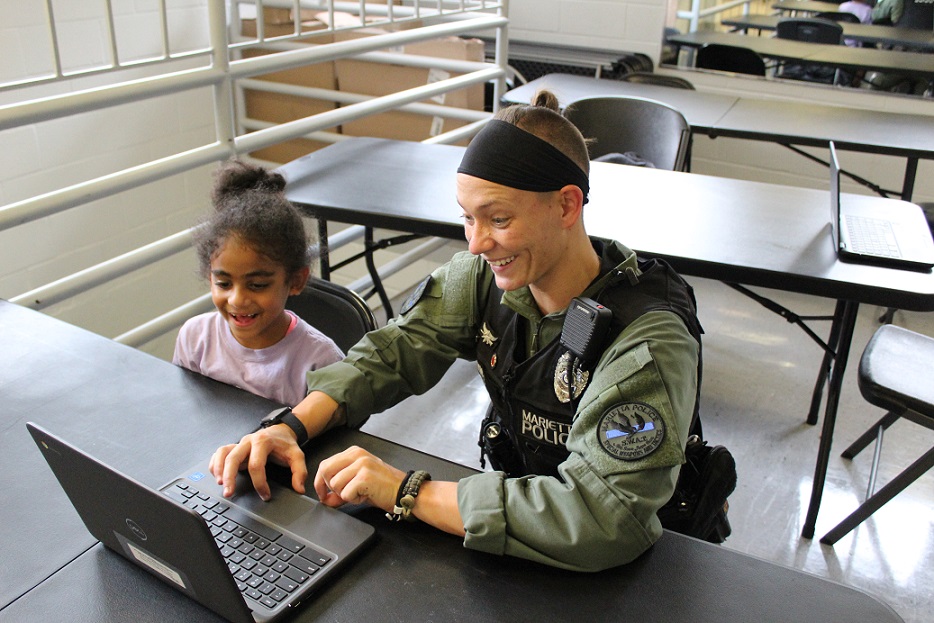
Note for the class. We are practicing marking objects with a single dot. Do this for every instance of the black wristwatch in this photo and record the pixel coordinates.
(285, 416)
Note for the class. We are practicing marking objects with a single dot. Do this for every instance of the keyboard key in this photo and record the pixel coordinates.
(319, 558)
(296, 575)
(291, 545)
(286, 584)
(251, 524)
(305, 565)
(253, 594)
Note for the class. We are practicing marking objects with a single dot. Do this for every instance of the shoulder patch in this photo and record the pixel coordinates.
(630, 430)
(410, 302)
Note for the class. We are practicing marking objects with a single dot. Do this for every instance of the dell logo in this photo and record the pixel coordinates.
(135, 529)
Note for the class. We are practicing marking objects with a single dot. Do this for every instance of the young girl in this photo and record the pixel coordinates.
(254, 251)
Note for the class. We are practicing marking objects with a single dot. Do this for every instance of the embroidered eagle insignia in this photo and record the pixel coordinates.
(486, 336)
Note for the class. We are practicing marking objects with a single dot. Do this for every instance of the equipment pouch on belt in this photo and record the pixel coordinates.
(496, 446)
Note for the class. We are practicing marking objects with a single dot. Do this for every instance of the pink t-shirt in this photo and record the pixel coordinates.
(206, 345)
(860, 9)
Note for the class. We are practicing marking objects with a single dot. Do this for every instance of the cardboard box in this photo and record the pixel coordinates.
(365, 78)
(248, 28)
(274, 15)
(368, 78)
(282, 108)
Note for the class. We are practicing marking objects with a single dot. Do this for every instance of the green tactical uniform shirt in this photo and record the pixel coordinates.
(602, 511)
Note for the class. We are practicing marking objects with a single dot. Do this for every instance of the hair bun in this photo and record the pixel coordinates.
(545, 99)
(235, 177)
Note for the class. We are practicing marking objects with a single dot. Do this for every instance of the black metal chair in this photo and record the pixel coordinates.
(674, 82)
(654, 131)
(732, 58)
(809, 30)
(336, 311)
(894, 374)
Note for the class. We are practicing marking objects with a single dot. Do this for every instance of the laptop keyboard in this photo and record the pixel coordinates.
(267, 565)
(871, 236)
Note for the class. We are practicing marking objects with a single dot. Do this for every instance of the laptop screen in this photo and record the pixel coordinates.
(834, 197)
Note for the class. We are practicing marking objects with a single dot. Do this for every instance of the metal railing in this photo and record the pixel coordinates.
(696, 15)
(220, 70)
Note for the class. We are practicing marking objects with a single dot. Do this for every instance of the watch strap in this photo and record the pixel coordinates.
(285, 416)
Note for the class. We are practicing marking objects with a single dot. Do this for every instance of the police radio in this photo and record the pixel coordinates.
(586, 324)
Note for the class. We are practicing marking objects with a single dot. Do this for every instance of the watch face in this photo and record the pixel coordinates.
(275, 417)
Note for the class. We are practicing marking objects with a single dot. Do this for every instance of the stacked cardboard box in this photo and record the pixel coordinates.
(368, 78)
(360, 77)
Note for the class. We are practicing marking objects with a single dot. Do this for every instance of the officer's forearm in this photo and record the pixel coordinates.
(318, 412)
(437, 506)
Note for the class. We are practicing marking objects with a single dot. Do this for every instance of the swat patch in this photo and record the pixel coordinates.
(410, 302)
(631, 431)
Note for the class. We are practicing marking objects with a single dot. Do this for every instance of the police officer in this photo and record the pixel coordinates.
(585, 451)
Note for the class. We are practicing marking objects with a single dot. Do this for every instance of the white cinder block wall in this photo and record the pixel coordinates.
(45, 157)
(41, 158)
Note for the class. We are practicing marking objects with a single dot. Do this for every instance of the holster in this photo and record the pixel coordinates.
(497, 446)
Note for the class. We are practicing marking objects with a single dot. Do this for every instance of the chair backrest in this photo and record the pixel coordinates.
(810, 30)
(737, 59)
(839, 16)
(653, 130)
(338, 312)
(650, 77)
(918, 15)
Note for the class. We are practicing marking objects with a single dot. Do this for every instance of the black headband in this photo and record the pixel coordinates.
(504, 154)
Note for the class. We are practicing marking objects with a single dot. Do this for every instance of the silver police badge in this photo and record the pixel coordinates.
(631, 430)
(570, 379)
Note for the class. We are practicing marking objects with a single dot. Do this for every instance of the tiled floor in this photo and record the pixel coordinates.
(759, 372)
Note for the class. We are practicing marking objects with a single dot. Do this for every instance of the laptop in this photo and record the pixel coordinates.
(900, 239)
(245, 559)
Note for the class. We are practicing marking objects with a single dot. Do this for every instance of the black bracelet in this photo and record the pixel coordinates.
(405, 499)
(392, 516)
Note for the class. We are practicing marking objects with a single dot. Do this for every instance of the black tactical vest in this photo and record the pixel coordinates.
(535, 399)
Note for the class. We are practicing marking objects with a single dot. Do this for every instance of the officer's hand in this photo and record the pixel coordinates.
(355, 476)
(254, 450)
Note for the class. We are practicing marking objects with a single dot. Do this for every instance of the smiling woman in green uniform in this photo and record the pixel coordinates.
(585, 450)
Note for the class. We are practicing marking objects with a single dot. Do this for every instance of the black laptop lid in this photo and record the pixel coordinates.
(165, 538)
